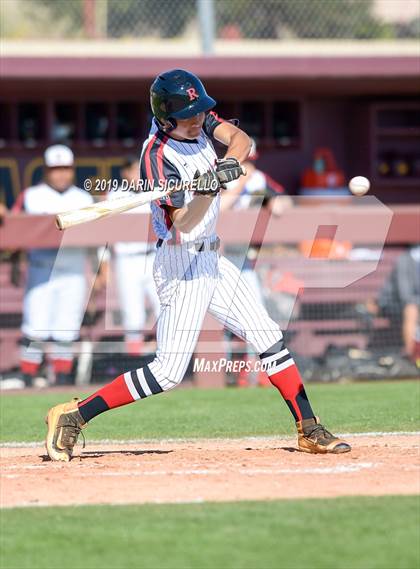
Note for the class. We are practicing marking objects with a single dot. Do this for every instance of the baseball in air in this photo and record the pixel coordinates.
(359, 185)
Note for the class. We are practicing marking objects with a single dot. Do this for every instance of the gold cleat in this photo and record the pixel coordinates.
(314, 438)
(64, 424)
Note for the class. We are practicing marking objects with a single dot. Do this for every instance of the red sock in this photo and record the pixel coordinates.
(133, 385)
(114, 394)
(62, 365)
(289, 383)
(284, 374)
(29, 368)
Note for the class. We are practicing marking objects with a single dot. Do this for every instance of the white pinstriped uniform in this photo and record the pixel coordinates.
(189, 282)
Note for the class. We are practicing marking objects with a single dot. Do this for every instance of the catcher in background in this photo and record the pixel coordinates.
(191, 276)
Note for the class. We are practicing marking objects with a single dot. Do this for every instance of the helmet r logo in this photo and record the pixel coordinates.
(192, 93)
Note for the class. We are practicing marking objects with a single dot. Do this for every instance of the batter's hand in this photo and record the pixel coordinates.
(228, 170)
(207, 184)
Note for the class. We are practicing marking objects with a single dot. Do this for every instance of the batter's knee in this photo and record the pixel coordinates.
(158, 376)
(168, 376)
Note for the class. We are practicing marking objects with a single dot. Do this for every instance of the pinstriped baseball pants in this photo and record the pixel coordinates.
(190, 284)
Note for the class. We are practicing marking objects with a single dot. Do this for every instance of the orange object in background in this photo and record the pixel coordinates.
(287, 282)
(325, 180)
(324, 172)
(325, 249)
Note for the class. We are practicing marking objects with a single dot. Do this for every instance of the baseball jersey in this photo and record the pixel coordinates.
(42, 199)
(166, 159)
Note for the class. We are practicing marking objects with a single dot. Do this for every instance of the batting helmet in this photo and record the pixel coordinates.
(178, 94)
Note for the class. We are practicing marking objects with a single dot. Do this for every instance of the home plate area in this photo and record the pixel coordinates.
(208, 470)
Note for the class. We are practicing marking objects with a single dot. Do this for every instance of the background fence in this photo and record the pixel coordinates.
(221, 19)
(334, 331)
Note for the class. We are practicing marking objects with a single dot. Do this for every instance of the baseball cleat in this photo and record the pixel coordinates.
(64, 424)
(314, 438)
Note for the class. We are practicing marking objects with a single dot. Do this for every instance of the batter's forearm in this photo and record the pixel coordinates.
(239, 146)
(187, 217)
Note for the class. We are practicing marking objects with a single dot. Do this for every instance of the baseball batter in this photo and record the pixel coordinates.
(190, 275)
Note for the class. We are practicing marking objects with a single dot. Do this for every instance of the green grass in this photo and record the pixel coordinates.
(226, 413)
(346, 533)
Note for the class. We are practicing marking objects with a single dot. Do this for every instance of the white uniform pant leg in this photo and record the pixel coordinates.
(69, 305)
(38, 304)
(38, 309)
(251, 277)
(184, 303)
(235, 306)
(149, 284)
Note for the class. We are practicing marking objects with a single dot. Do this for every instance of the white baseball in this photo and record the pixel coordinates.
(359, 185)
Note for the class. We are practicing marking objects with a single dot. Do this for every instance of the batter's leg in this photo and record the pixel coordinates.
(234, 306)
(184, 304)
(184, 301)
(149, 284)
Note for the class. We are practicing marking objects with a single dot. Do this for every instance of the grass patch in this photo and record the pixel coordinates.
(356, 407)
(356, 533)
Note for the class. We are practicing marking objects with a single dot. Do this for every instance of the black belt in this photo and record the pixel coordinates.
(199, 246)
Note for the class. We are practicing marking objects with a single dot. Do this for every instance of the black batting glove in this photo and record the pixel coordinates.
(206, 184)
(228, 170)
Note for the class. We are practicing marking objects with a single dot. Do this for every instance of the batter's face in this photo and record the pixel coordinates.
(60, 178)
(189, 128)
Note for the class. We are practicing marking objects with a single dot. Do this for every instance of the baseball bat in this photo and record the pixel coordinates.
(110, 207)
(104, 209)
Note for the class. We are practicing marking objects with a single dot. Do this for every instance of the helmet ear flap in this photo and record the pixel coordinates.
(173, 124)
(168, 125)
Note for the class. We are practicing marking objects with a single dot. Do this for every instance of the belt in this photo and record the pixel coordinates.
(199, 246)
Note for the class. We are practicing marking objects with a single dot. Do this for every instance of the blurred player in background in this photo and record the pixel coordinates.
(255, 189)
(399, 299)
(134, 269)
(56, 284)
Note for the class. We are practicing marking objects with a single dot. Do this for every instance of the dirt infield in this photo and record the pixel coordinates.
(208, 470)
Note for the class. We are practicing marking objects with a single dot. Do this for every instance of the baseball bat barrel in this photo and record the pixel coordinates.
(105, 208)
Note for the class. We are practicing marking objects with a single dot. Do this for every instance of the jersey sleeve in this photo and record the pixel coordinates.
(160, 172)
(211, 121)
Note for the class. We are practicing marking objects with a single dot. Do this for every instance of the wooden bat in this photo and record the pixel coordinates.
(108, 207)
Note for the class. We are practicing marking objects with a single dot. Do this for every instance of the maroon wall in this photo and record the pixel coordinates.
(336, 96)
